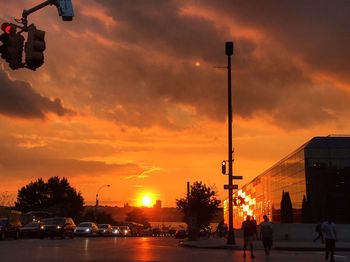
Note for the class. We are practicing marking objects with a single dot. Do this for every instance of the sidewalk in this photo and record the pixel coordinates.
(220, 243)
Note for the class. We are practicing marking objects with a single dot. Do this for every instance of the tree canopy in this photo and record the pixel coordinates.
(55, 196)
(200, 209)
(137, 215)
(101, 216)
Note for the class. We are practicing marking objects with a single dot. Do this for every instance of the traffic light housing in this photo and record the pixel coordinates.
(223, 167)
(12, 47)
(4, 38)
(65, 9)
(35, 47)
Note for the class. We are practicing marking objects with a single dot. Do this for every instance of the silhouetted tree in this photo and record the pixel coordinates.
(306, 211)
(102, 217)
(286, 208)
(137, 215)
(55, 196)
(199, 209)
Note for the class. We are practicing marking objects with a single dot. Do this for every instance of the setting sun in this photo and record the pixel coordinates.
(146, 201)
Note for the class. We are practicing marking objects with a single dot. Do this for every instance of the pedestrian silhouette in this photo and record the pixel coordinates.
(318, 229)
(266, 234)
(249, 230)
(330, 235)
(220, 229)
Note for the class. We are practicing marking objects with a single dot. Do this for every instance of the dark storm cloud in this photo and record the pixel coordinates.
(127, 84)
(19, 99)
(317, 30)
(161, 26)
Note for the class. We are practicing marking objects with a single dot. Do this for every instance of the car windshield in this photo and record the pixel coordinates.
(85, 225)
(3, 222)
(103, 226)
(54, 221)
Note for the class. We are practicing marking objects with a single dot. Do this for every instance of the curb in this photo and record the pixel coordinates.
(309, 248)
(280, 248)
(233, 247)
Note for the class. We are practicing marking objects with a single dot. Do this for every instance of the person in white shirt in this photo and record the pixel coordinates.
(330, 235)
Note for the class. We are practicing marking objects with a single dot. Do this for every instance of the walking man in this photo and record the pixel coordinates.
(330, 235)
(249, 230)
(266, 234)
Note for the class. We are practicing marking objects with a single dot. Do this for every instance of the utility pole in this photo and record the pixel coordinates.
(188, 193)
(231, 236)
(97, 201)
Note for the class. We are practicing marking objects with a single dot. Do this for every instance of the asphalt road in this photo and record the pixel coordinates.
(135, 249)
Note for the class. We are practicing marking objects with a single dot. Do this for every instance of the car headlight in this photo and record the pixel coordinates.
(42, 227)
(58, 227)
(125, 232)
(87, 230)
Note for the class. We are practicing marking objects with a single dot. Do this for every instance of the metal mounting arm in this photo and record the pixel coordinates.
(27, 12)
(64, 8)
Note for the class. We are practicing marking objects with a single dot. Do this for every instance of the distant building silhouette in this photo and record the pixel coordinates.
(158, 204)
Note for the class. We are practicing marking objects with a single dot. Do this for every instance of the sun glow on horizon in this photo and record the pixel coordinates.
(146, 201)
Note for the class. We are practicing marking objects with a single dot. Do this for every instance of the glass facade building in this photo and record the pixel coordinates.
(316, 177)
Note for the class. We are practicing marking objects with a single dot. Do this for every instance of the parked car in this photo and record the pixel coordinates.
(57, 227)
(10, 228)
(172, 231)
(104, 229)
(156, 232)
(31, 230)
(121, 231)
(181, 234)
(86, 229)
(115, 230)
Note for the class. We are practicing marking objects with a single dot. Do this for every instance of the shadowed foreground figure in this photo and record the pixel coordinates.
(266, 234)
(330, 235)
(249, 230)
(318, 229)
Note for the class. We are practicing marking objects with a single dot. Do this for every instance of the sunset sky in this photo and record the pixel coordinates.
(131, 94)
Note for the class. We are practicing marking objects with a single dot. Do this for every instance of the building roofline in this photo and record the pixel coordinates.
(303, 146)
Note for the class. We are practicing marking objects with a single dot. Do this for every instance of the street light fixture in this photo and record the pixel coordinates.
(97, 200)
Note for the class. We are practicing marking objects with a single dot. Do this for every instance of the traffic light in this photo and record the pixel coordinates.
(6, 27)
(35, 47)
(65, 9)
(223, 167)
(12, 47)
(3, 48)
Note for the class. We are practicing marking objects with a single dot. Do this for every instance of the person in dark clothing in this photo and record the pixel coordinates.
(318, 229)
(220, 229)
(249, 230)
(266, 234)
(330, 235)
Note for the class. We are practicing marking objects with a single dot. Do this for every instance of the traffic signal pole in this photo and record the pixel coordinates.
(13, 41)
(27, 12)
(231, 236)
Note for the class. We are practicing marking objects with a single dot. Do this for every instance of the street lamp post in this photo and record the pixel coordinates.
(96, 204)
(231, 236)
